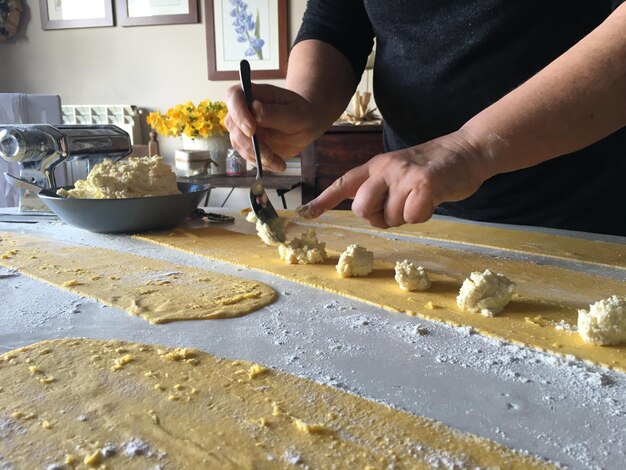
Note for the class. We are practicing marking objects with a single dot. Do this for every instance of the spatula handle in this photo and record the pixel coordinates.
(246, 87)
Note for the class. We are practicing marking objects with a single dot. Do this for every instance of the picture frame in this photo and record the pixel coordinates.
(234, 31)
(156, 12)
(67, 14)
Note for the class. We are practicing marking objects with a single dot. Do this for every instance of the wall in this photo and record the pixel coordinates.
(153, 67)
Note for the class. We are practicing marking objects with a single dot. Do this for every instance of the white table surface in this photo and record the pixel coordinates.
(558, 408)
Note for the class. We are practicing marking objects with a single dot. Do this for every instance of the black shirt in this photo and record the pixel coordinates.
(438, 63)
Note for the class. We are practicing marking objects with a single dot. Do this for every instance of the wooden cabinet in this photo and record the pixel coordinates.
(340, 149)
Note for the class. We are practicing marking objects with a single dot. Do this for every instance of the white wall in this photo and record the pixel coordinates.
(152, 67)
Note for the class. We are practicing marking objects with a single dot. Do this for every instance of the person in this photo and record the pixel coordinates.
(510, 112)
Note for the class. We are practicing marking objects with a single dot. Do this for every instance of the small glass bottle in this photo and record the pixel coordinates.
(235, 164)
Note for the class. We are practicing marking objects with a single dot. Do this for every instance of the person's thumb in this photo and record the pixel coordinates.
(271, 161)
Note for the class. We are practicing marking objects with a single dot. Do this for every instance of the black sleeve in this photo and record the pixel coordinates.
(343, 24)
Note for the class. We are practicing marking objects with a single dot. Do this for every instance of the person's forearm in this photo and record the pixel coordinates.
(575, 101)
(322, 75)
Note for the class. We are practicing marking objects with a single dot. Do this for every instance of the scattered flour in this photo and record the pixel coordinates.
(564, 326)
(7, 273)
(54, 466)
(109, 450)
(136, 447)
(293, 458)
(420, 330)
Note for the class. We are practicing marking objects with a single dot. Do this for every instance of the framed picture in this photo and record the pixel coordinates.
(255, 30)
(65, 14)
(147, 12)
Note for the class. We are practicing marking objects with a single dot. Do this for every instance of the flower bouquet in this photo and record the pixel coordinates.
(203, 132)
(201, 121)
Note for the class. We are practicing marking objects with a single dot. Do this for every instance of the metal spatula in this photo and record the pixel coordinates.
(261, 205)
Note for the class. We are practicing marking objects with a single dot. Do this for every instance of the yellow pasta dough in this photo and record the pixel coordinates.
(548, 296)
(152, 289)
(132, 406)
(520, 241)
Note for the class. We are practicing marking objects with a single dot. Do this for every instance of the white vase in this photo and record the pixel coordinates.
(217, 145)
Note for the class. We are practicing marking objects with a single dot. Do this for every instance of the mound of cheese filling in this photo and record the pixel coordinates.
(272, 234)
(605, 321)
(355, 261)
(304, 250)
(486, 293)
(411, 277)
(128, 178)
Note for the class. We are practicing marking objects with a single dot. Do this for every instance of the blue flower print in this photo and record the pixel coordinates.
(248, 30)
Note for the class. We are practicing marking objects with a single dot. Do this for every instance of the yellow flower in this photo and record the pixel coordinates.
(204, 120)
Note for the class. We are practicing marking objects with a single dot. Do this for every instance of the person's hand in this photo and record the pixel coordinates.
(405, 186)
(284, 123)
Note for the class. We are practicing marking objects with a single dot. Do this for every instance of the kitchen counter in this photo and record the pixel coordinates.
(555, 407)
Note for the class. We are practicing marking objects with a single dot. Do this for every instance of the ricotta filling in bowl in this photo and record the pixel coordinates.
(129, 178)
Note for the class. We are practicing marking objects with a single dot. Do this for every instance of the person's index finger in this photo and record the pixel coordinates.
(239, 112)
(343, 188)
